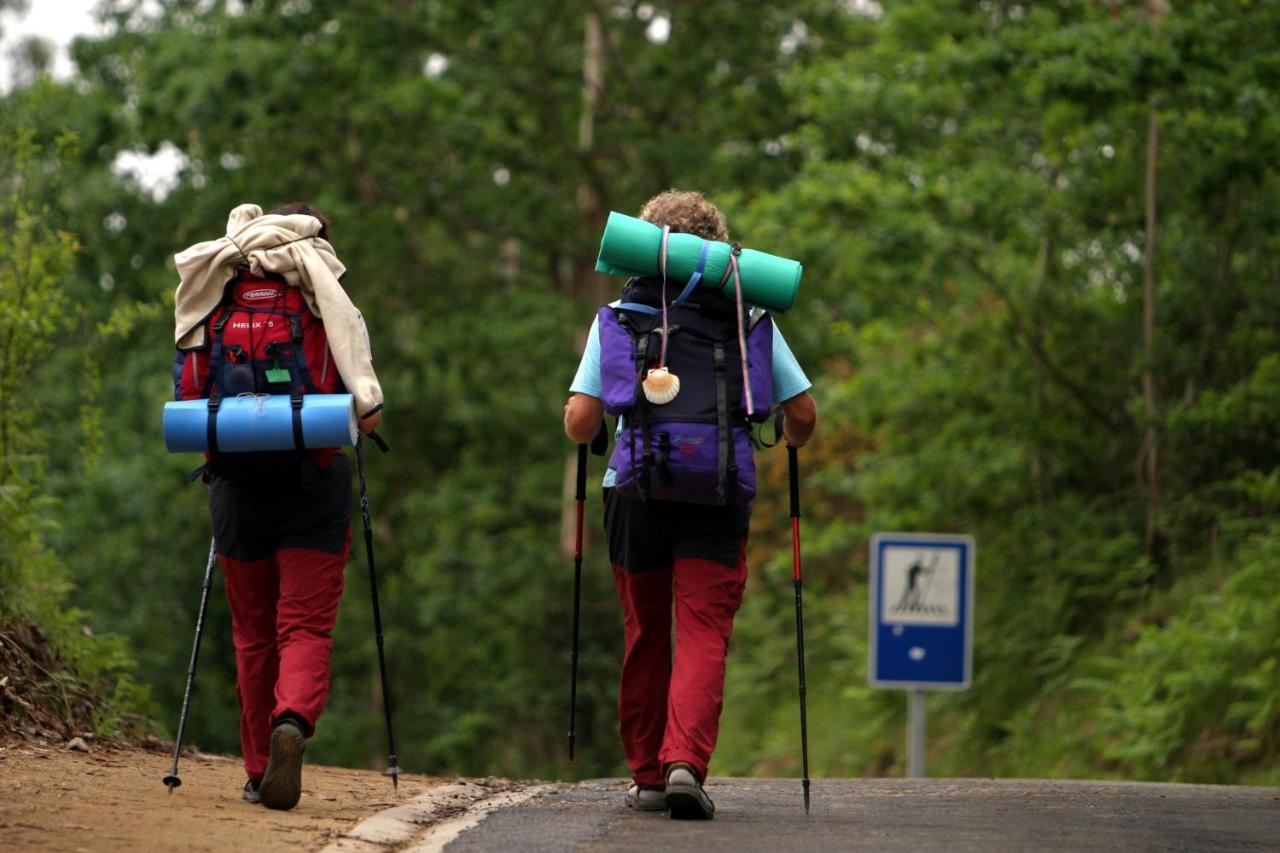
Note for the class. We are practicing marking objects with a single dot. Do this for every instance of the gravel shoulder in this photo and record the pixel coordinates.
(111, 798)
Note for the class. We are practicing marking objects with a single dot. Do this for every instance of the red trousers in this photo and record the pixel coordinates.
(669, 706)
(283, 609)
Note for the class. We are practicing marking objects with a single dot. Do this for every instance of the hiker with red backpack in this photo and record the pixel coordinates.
(686, 376)
(261, 311)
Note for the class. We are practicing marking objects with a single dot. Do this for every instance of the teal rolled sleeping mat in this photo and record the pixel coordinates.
(631, 247)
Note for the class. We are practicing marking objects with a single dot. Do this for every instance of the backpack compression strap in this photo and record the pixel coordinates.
(727, 465)
(642, 404)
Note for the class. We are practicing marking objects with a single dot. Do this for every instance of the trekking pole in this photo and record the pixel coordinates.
(581, 497)
(793, 466)
(393, 767)
(172, 780)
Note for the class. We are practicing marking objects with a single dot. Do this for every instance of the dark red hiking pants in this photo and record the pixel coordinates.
(283, 552)
(683, 565)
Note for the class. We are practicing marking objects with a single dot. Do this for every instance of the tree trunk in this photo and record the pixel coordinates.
(585, 284)
(1149, 459)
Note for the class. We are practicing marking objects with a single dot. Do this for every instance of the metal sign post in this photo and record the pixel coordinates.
(919, 720)
(921, 625)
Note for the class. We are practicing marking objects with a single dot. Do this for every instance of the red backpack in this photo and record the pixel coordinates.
(262, 339)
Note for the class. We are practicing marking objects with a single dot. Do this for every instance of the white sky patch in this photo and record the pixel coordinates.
(797, 38)
(502, 176)
(863, 8)
(59, 21)
(155, 174)
(435, 66)
(659, 29)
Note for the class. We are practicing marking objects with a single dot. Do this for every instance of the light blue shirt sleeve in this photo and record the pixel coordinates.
(788, 377)
(587, 379)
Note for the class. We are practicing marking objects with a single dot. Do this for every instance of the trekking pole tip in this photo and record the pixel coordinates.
(172, 781)
(394, 772)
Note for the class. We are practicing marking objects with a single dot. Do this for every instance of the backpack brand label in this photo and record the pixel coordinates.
(258, 324)
(262, 293)
(687, 444)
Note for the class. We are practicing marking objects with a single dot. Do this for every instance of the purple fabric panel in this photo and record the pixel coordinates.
(760, 356)
(693, 462)
(617, 364)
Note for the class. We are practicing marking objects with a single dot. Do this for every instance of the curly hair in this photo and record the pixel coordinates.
(687, 213)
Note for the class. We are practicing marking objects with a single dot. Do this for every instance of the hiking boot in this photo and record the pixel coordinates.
(684, 795)
(252, 791)
(646, 798)
(282, 783)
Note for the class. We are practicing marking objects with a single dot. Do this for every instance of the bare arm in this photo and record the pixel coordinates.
(801, 416)
(582, 416)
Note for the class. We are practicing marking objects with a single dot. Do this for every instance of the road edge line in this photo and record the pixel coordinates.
(394, 827)
(435, 837)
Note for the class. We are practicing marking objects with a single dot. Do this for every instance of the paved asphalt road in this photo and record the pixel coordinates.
(880, 814)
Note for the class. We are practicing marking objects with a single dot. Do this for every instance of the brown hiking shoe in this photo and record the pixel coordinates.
(282, 783)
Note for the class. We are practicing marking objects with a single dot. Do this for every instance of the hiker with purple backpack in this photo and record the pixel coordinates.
(677, 496)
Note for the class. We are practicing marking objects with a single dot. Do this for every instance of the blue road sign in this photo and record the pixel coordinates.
(921, 609)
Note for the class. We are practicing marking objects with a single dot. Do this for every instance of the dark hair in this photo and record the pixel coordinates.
(307, 210)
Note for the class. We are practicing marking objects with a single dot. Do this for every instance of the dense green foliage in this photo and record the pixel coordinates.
(58, 676)
(964, 183)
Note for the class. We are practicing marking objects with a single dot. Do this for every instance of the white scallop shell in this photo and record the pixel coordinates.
(661, 386)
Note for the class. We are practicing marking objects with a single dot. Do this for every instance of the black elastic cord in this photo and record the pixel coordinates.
(247, 263)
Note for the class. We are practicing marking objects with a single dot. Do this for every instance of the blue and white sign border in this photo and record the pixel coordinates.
(963, 541)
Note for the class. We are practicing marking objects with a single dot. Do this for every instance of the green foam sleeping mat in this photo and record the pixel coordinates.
(630, 247)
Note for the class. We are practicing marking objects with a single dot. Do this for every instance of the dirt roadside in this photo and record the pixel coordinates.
(112, 799)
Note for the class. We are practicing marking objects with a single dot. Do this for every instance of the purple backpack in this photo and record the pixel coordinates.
(696, 447)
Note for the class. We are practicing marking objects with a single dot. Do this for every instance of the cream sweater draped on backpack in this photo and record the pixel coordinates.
(288, 246)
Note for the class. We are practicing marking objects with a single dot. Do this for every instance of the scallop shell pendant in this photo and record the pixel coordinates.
(661, 386)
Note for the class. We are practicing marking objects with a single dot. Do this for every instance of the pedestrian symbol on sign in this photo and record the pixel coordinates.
(921, 586)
